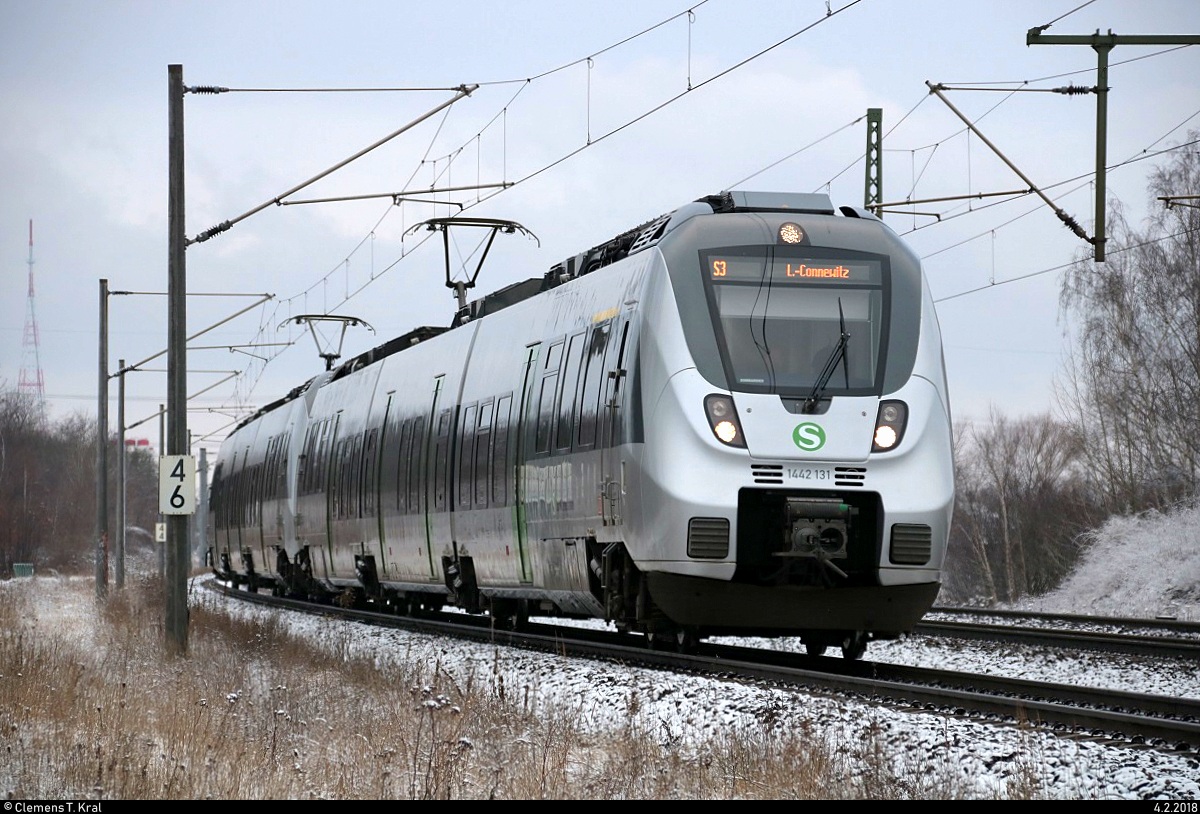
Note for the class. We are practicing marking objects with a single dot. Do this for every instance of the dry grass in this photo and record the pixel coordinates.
(92, 707)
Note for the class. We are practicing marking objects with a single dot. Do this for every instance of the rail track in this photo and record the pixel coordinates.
(1137, 637)
(1159, 722)
(1160, 624)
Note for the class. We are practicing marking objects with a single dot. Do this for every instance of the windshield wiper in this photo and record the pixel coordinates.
(835, 358)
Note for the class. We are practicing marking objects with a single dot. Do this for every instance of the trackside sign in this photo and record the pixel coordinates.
(177, 484)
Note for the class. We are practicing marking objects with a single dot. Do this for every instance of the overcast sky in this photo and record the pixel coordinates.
(593, 126)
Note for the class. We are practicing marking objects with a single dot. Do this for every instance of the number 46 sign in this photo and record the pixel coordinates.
(177, 484)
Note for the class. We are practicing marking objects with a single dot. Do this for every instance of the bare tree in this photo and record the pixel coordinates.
(47, 486)
(1020, 505)
(69, 470)
(969, 574)
(1132, 384)
(22, 487)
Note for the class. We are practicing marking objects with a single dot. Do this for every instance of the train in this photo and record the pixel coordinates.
(730, 420)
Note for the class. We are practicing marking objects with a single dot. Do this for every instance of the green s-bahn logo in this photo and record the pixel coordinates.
(809, 436)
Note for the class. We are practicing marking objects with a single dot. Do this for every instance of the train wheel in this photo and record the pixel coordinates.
(854, 645)
(520, 619)
(815, 648)
(660, 641)
(686, 640)
(510, 614)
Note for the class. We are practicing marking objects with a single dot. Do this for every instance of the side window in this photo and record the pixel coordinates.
(344, 484)
(321, 475)
(416, 474)
(357, 482)
(216, 500)
(549, 388)
(252, 496)
(338, 477)
(335, 485)
(466, 450)
(244, 490)
(441, 460)
(387, 457)
(566, 399)
(274, 481)
(403, 450)
(229, 494)
(261, 490)
(591, 386)
(368, 481)
(308, 464)
(483, 437)
(612, 390)
(312, 463)
(268, 491)
(285, 447)
(500, 453)
(302, 463)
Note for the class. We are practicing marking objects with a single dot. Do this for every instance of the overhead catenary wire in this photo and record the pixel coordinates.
(500, 117)
(583, 60)
(791, 155)
(462, 91)
(1061, 266)
(678, 96)
(1141, 156)
(830, 13)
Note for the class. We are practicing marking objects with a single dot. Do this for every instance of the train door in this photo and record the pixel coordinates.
(612, 475)
(224, 512)
(331, 494)
(243, 503)
(258, 536)
(435, 462)
(216, 504)
(370, 509)
(378, 457)
(526, 416)
(272, 492)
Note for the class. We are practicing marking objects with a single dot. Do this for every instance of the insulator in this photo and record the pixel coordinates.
(213, 232)
(206, 89)
(1074, 90)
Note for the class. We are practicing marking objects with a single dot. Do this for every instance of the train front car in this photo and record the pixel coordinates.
(796, 476)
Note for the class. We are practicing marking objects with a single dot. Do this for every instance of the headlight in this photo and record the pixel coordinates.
(889, 425)
(722, 418)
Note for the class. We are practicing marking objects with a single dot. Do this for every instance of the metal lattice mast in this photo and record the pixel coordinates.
(31, 380)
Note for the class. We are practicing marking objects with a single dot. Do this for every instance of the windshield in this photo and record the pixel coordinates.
(780, 319)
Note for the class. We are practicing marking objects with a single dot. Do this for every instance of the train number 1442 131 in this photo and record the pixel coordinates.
(809, 473)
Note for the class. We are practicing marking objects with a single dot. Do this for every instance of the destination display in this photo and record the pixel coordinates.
(792, 270)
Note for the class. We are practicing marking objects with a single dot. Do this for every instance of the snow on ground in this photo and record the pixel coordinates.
(1142, 567)
(1148, 565)
(984, 758)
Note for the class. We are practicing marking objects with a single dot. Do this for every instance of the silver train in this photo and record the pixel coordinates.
(731, 420)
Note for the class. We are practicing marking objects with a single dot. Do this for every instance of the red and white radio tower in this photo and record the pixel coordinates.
(31, 381)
